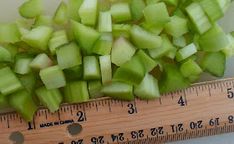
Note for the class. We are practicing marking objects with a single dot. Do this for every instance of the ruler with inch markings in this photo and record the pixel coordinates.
(204, 109)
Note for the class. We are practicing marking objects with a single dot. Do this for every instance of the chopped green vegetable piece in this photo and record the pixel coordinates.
(91, 68)
(224, 4)
(132, 72)
(213, 40)
(105, 22)
(118, 90)
(120, 12)
(103, 45)
(171, 2)
(146, 60)
(179, 41)
(148, 88)
(53, 77)
(85, 36)
(198, 17)
(172, 53)
(31, 8)
(172, 79)
(105, 66)
(121, 30)
(68, 56)
(186, 52)
(9, 33)
(212, 9)
(153, 28)
(41, 61)
(9, 82)
(122, 51)
(43, 20)
(143, 39)
(22, 65)
(76, 92)
(95, 88)
(74, 73)
(3, 101)
(229, 50)
(214, 63)
(137, 7)
(88, 12)
(61, 14)
(156, 14)
(23, 103)
(163, 49)
(28, 81)
(49, 98)
(177, 26)
(73, 7)
(190, 68)
(5, 55)
(38, 37)
(58, 39)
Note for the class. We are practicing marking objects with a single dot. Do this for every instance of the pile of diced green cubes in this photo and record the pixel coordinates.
(115, 48)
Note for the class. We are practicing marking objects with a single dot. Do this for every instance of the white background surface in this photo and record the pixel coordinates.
(9, 12)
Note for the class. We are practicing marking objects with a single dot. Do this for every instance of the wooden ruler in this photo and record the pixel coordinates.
(201, 110)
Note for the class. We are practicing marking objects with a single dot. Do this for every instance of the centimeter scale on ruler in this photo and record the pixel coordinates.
(203, 109)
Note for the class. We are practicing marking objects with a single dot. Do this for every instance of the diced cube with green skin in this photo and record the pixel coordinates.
(148, 88)
(43, 20)
(198, 17)
(38, 37)
(213, 40)
(41, 61)
(143, 39)
(105, 22)
(156, 13)
(214, 63)
(153, 28)
(75, 92)
(172, 79)
(122, 51)
(73, 7)
(163, 49)
(9, 33)
(3, 101)
(146, 60)
(119, 90)
(120, 12)
(74, 73)
(58, 39)
(22, 65)
(137, 7)
(85, 36)
(179, 41)
(121, 30)
(212, 9)
(103, 45)
(88, 12)
(186, 52)
(5, 55)
(91, 68)
(61, 14)
(9, 82)
(105, 67)
(23, 103)
(177, 26)
(132, 72)
(68, 55)
(190, 68)
(53, 77)
(95, 88)
(31, 8)
(49, 98)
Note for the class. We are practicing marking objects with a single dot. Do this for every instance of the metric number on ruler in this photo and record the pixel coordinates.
(203, 109)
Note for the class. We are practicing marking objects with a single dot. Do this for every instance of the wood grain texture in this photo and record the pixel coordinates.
(203, 109)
